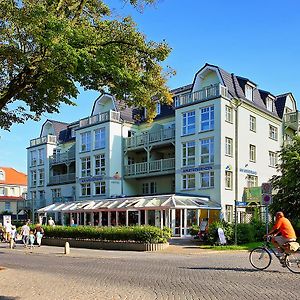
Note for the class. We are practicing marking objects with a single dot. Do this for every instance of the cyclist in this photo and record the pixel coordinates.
(284, 227)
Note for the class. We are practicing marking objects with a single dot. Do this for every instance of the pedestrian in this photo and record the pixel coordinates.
(7, 231)
(203, 229)
(31, 239)
(51, 222)
(25, 230)
(12, 242)
(39, 232)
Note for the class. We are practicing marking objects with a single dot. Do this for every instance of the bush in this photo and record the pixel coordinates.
(213, 237)
(194, 230)
(143, 234)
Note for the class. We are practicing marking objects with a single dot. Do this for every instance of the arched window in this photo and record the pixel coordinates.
(2, 175)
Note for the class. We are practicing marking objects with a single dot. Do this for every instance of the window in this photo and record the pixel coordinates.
(130, 160)
(228, 146)
(158, 108)
(33, 178)
(41, 156)
(229, 213)
(272, 159)
(33, 195)
(56, 193)
(100, 138)
(252, 153)
(273, 133)
(228, 180)
(252, 181)
(207, 179)
(7, 206)
(41, 177)
(270, 104)
(207, 151)
(85, 189)
(33, 158)
(86, 141)
(2, 175)
(188, 153)
(252, 123)
(207, 118)
(42, 195)
(188, 181)
(149, 188)
(188, 123)
(2, 191)
(100, 188)
(249, 92)
(100, 164)
(228, 114)
(85, 166)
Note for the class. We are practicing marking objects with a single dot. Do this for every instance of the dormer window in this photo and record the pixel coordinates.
(2, 175)
(158, 108)
(270, 104)
(249, 92)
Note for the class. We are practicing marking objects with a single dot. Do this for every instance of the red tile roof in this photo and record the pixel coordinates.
(11, 198)
(12, 176)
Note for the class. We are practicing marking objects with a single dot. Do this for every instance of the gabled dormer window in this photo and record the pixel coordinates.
(158, 108)
(249, 92)
(270, 104)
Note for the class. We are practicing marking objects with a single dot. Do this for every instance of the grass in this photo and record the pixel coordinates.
(248, 246)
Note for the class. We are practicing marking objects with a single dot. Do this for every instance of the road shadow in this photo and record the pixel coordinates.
(9, 298)
(229, 269)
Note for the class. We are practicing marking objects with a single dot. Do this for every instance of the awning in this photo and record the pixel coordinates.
(134, 203)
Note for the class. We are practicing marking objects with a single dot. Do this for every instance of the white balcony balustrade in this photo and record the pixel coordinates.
(110, 115)
(59, 179)
(50, 139)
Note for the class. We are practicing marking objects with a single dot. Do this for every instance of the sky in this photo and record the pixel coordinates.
(256, 39)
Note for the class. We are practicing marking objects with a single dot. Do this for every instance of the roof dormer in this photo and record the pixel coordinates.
(249, 87)
(270, 103)
(2, 175)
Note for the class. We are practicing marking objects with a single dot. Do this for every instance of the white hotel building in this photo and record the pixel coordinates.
(221, 135)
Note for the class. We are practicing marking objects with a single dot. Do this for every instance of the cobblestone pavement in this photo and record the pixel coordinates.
(187, 273)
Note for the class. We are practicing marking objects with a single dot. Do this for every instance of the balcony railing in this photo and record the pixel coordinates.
(50, 139)
(160, 136)
(110, 115)
(291, 119)
(206, 93)
(156, 166)
(62, 158)
(65, 178)
(62, 199)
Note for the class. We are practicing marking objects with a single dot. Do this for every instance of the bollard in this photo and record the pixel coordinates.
(67, 248)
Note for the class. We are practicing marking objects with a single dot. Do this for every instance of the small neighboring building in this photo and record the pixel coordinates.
(13, 187)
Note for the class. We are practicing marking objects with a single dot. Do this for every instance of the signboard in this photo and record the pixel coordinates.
(6, 218)
(267, 199)
(266, 188)
(252, 194)
(222, 237)
(241, 203)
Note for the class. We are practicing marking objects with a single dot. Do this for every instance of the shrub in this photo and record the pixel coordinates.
(213, 237)
(194, 230)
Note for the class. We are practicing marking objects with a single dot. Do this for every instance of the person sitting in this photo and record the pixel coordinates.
(51, 222)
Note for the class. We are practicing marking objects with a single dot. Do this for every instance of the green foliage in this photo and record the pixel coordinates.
(194, 230)
(213, 237)
(47, 47)
(145, 234)
(287, 185)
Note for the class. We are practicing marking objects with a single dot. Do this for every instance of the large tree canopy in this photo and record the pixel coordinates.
(47, 47)
(287, 184)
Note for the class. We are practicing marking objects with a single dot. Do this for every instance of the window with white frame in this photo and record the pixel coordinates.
(2, 175)
(270, 104)
(229, 213)
(188, 123)
(41, 156)
(85, 166)
(207, 118)
(228, 146)
(56, 193)
(249, 92)
(273, 133)
(85, 189)
(252, 123)
(188, 153)
(86, 141)
(207, 179)
(158, 108)
(7, 206)
(272, 159)
(33, 178)
(207, 151)
(100, 188)
(33, 158)
(100, 164)
(228, 180)
(228, 114)
(149, 188)
(252, 153)
(252, 181)
(41, 177)
(188, 181)
(2, 191)
(130, 160)
(100, 138)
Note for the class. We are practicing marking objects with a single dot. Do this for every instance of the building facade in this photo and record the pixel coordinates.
(218, 140)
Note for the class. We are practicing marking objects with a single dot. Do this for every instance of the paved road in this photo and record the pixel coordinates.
(97, 274)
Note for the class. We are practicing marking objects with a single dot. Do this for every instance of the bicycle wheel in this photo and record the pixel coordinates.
(260, 258)
(292, 262)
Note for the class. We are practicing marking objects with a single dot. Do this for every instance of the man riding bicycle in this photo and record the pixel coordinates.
(285, 228)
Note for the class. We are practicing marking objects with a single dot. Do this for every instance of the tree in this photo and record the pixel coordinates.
(48, 47)
(287, 184)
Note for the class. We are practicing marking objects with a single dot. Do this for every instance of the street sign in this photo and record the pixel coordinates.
(266, 199)
(266, 188)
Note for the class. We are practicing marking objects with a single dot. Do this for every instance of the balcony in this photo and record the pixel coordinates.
(28, 204)
(60, 179)
(163, 136)
(62, 158)
(49, 139)
(210, 92)
(156, 167)
(62, 199)
(110, 115)
(291, 120)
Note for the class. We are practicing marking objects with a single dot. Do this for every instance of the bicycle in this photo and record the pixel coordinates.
(261, 257)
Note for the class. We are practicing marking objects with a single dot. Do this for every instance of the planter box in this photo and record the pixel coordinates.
(103, 245)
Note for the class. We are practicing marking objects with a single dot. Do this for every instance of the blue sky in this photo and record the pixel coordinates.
(259, 40)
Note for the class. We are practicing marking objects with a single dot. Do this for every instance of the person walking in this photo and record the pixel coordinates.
(25, 230)
(31, 239)
(39, 232)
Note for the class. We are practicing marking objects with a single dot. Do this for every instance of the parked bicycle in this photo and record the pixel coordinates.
(261, 257)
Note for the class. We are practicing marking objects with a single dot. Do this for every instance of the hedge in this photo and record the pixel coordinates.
(142, 234)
